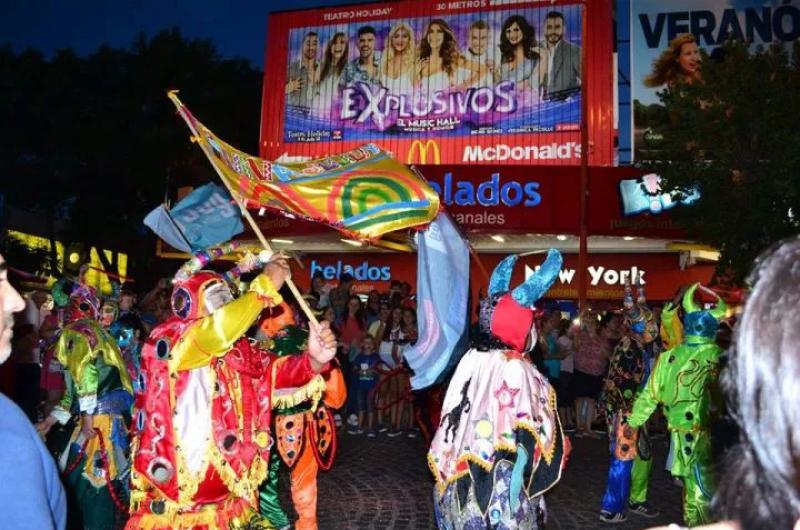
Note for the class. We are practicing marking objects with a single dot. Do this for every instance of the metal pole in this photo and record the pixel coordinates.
(583, 257)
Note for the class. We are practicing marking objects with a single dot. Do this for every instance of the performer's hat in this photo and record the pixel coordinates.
(699, 322)
(79, 300)
(637, 315)
(509, 315)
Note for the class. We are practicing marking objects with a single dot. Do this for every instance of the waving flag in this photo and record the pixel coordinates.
(442, 291)
(364, 193)
(202, 219)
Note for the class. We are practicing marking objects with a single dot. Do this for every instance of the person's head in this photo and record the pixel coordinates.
(329, 315)
(761, 483)
(397, 316)
(552, 318)
(128, 331)
(109, 312)
(366, 42)
(394, 286)
(680, 62)
(10, 302)
(317, 282)
(127, 300)
(516, 33)
(39, 298)
(310, 46)
(590, 323)
(334, 60)
(405, 289)
(409, 318)
(479, 37)
(554, 27)
(346, 282)
(374, 298)
(440, 40)
(354, 305)
(564, 326)
(385, 312)
(368, 345)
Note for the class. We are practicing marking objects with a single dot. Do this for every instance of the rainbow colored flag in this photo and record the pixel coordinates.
(363, 193)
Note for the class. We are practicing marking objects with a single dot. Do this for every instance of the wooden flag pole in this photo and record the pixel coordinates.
(242, 207)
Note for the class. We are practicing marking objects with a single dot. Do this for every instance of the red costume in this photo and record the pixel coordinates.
(202, 421)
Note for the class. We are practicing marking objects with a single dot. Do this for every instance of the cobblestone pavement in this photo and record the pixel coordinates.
(384, 483)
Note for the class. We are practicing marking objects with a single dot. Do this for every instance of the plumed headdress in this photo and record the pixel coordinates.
(508, 315)
(699, 322)
(636, 313)
(79, 300)
(198, 293)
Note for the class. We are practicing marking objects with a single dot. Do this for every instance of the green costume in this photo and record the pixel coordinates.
(684, 382)
(98, 388)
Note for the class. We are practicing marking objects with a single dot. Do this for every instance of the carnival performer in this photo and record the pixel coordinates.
(684, 382)
(305, 431)
(629, 469)
(95, 410)
(499, 446)
(202, 421)
(128, 330)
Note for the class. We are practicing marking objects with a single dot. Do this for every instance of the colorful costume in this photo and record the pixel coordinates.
(499, 445)
(629, 469)
(684, 382)
(202, 421)
(98, 400)
(306, 438)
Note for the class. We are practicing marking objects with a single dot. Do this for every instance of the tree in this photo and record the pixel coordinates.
(735, 136)
(96, 143)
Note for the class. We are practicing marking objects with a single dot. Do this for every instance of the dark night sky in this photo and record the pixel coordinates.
(238, 28)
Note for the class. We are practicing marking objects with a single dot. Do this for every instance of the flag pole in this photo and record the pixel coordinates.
(243, 208)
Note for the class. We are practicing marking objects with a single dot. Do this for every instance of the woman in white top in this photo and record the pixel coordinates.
(333, 63)
(398, 60)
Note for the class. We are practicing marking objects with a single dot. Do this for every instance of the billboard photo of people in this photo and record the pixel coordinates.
(483, 73)
(669, 42)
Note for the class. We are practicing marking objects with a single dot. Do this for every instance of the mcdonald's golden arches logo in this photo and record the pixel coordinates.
(418, 147)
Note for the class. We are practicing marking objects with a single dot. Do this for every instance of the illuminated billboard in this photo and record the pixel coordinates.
(481, 81)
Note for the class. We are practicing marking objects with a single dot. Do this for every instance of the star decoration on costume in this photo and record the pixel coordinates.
(506, 396)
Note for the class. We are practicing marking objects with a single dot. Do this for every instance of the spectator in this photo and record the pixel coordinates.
(409, 326)
(31, 495)
(52, 380)
(373, 307)
(340, 296)
(566, 395)
(352, 326)
(591, 360)
(378, 329)
(320, 290)
(365, 369)
(396, 326)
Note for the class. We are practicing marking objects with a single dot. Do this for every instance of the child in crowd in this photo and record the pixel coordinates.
(366, 379)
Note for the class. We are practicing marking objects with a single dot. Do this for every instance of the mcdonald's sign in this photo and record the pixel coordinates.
(417, 147)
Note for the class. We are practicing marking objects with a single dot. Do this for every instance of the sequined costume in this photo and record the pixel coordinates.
(628, 370)
(499, 446)
(684, 382)
(306, 437)
(202, 421)
(95, 410)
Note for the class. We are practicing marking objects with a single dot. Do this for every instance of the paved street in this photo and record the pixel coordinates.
(384, 483)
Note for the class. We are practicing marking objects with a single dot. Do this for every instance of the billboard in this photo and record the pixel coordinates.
(478, 81)
(666, 44)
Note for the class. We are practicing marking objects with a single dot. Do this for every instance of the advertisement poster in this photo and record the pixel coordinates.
(451, 82)
(669, 40)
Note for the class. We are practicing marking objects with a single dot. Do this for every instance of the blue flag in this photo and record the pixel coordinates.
(442, 293)
(202, 219)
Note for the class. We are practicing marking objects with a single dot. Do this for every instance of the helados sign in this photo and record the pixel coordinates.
(491, 192)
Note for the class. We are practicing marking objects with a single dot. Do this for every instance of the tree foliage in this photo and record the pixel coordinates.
(93, 141)
(736, 136)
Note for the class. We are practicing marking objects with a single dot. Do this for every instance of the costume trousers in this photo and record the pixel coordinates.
(696, 497)
(304, 487)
